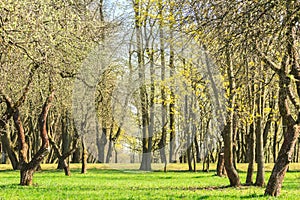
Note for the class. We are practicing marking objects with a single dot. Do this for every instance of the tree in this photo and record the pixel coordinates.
(27, 168)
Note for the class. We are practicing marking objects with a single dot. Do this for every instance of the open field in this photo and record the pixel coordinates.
(123, 181)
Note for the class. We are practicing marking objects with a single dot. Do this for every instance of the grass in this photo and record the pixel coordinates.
(124, 181)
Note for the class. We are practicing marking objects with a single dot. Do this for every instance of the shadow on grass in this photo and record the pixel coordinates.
(11, 186)
(251, 196)
(8, 170)
(210, 188)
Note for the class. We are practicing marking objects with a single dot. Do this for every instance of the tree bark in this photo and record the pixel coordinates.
(110, 146)
(251, 153)
(146, 155)
(84, 157)
(220, 165)
(65, 141)
(232, 174)
(172, 158)
(283, 160)
(28, 168)
(7, 147)
(101, 142)
(260, 158)
(163, 140)
(198, 159)
(286, 95)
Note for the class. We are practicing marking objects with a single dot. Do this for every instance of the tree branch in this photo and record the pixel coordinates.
(268, 61)
(26, 89)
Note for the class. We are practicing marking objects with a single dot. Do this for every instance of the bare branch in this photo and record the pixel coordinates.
(268, 61)
(26, 89)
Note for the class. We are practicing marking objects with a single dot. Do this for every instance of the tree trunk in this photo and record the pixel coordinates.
(162, 143)
(220, 165)
(65, 141)
(28, 168)
(110, 146)
(260, 176)
(198, 159)
(101, 142)
(275, 142)
(228, 158)
(62, 157)
(146, 156)
(109, 151)
(206, 162)
(26, 176)
(172, 158)
(150, 53)
(6, 146)
(283, 160)
(251, 154)
(116, 154)
(286, 95)
(232, 174)
(84, 157)
(66, 168)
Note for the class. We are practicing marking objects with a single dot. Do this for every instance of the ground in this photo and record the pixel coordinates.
(126, 182)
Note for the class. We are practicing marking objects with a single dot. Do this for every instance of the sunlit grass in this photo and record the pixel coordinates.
(124, 181)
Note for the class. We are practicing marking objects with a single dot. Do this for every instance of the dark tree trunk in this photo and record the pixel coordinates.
(251, 154)
(84, 157)
(198, 159)
(66, 168)
(275, 142)
(101, 142)
(65, 141)
(5, 136)
(187, 134)
(239, 146)
(26, 176)
(109, 151)
(228, 132)
(220, 165)
(189, 157)
(172, 130)
(283, 160)
(260, 176)
(116, 154)
(76, 156)
(163, 140)
(298, 151)
(286, 95)
(7, 147)
(172, 158)
(206, 162)
(228, 158)
(110, 146)
(62, 157)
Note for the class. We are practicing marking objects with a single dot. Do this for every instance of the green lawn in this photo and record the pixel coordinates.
(124, 182)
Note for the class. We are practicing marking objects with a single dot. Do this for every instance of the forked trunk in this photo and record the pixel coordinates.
(66, 168)
(26, 176)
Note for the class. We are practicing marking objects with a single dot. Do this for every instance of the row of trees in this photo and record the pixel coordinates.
(183, 81)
